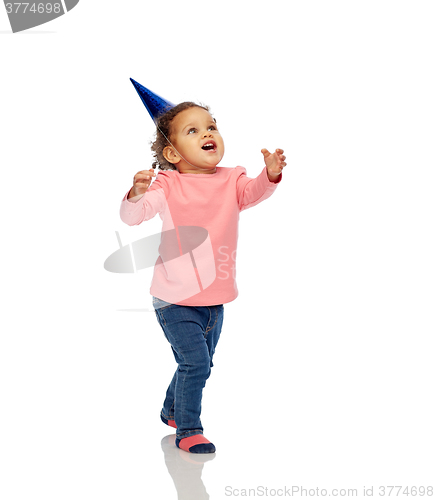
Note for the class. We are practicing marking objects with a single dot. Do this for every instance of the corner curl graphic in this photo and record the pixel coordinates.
(183, 255)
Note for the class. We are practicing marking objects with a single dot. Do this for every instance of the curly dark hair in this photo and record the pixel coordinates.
(164, 129)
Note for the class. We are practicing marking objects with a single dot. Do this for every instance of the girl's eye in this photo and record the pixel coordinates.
(212, 127)
(191, 130)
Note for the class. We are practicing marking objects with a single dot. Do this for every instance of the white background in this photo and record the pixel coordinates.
(324, 375)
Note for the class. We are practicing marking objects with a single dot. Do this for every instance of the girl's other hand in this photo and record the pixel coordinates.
(141, 182)
(275, 162)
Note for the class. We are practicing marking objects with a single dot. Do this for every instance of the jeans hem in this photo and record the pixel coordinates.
(186, 434)
(168, 417)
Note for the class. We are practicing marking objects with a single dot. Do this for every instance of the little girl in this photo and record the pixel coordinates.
(191, 280)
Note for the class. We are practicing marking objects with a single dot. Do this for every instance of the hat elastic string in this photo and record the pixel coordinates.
(187, 161)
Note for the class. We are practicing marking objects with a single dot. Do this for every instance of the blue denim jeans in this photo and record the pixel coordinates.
(193, 333)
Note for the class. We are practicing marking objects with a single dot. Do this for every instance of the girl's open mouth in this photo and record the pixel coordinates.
(209, 146)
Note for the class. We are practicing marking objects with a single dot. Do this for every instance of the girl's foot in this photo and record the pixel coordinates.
(171, 423)
(195, 444)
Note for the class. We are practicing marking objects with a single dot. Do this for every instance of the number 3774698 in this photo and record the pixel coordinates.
(33, 8)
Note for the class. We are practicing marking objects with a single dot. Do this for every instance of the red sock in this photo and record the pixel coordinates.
(195, 444)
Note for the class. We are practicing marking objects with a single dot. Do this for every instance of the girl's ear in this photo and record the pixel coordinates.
(171, 155)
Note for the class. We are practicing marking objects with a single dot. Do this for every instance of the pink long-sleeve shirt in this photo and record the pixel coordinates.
(200, 213)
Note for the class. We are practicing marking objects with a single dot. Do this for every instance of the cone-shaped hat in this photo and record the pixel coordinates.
(155, 104)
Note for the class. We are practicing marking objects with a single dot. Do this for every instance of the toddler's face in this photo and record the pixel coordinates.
(198, 142)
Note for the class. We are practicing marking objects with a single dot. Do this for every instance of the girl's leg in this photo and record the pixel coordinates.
(212, 334)
(193, 333)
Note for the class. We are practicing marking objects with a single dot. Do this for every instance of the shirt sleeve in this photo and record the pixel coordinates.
(251, 191)
(149, 204)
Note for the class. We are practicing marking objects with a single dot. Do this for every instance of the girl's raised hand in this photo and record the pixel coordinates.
(274, 162)
(142, 181)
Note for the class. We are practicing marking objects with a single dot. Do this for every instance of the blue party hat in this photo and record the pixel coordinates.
(155, 104)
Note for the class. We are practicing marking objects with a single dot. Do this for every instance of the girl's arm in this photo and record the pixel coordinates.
(250, 192)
